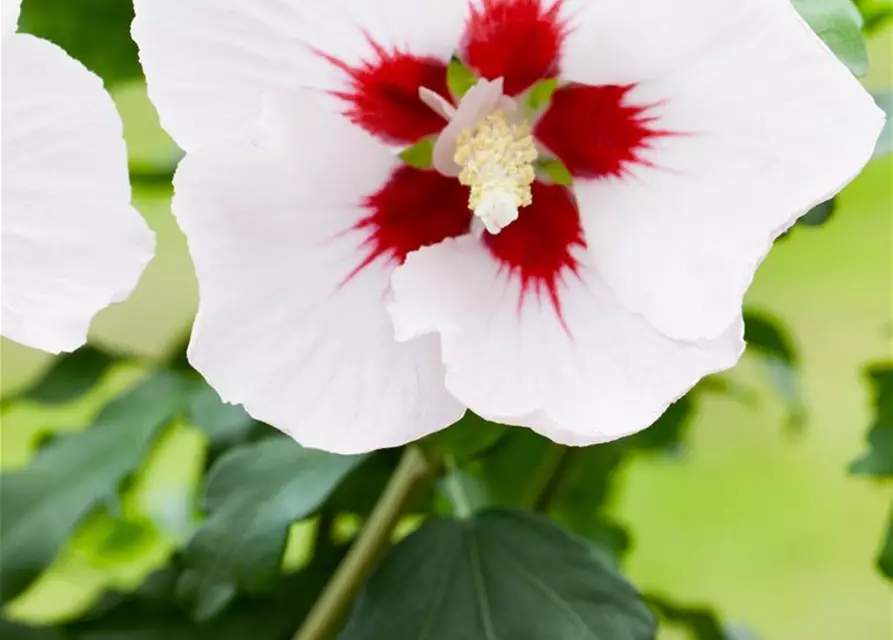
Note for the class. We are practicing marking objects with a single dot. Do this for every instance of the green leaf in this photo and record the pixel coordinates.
(460, 78)
(819, 214)
(253, 493)
(885, 557)
(701, 622)
(13, 631)
(500, 574)
(153, 613)
(585, 489)
(223, 424)
(467, 438)
(358, 493)
(507, 470)
(767, 339)
(43, 503)
(885, 143)
(71, 376)
(839, 24)
(875, 14)
(96, 32)
(420, 155)
(667, 434)
(540, 95)
(878, 461)
(555, 171)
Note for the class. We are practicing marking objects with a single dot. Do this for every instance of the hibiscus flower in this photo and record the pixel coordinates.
(72, 244)
(589, 188)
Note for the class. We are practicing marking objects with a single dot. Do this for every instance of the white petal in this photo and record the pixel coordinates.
(769, 124)
(9, 15)
(209, 62)
(604, 375)
(72, 244)
(281, 328)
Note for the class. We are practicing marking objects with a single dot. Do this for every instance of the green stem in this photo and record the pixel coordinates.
(325, 618)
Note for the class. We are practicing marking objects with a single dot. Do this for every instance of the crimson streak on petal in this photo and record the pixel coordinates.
(519, 40)
(594, 131)
(539, 246)
(383, 94)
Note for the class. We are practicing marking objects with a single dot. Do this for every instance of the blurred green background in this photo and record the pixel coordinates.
(753, 517)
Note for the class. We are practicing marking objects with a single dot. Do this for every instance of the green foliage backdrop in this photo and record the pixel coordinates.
(135, 505)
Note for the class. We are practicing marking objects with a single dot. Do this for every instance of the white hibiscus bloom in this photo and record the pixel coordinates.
(72, 244)
(696, 132)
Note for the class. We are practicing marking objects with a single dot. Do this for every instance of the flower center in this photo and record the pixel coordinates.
(497, 158)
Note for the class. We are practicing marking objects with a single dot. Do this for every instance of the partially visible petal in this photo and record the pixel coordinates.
(594, 374)
(480, 100)
(758, 125)
(210, 62)
(10, 15)
(72, 243)
(621, 42)
(292, 320)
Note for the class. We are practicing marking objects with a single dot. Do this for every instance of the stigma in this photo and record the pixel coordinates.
(497, 158)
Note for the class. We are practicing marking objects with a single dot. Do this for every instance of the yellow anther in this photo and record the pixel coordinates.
(497, 163)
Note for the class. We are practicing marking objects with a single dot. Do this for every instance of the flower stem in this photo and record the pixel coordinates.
(324, 619)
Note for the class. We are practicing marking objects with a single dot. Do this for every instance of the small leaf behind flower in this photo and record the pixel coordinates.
(71, 376)
(878, 460)
(43, 503)
(839, 24)
(460, 78)
(540, 95)
(420, 155)
(767, 338)
(253, 493)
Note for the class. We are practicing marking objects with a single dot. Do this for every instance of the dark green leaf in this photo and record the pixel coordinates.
(820, 214)
(154, 614)
(13, 631)
(667, 434)
(700, 622)
(359, 491)
(588, 479)
(878, 461)
(885, 557)
(42, 504)
(767, 338)
(583, 494)
(71, 376)
(254, 492)
(507, 471)
(467, 438)
(766, 335)
(839, 24)
(459, 78)
(500, 574)
(96, 32)
(223, 423)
